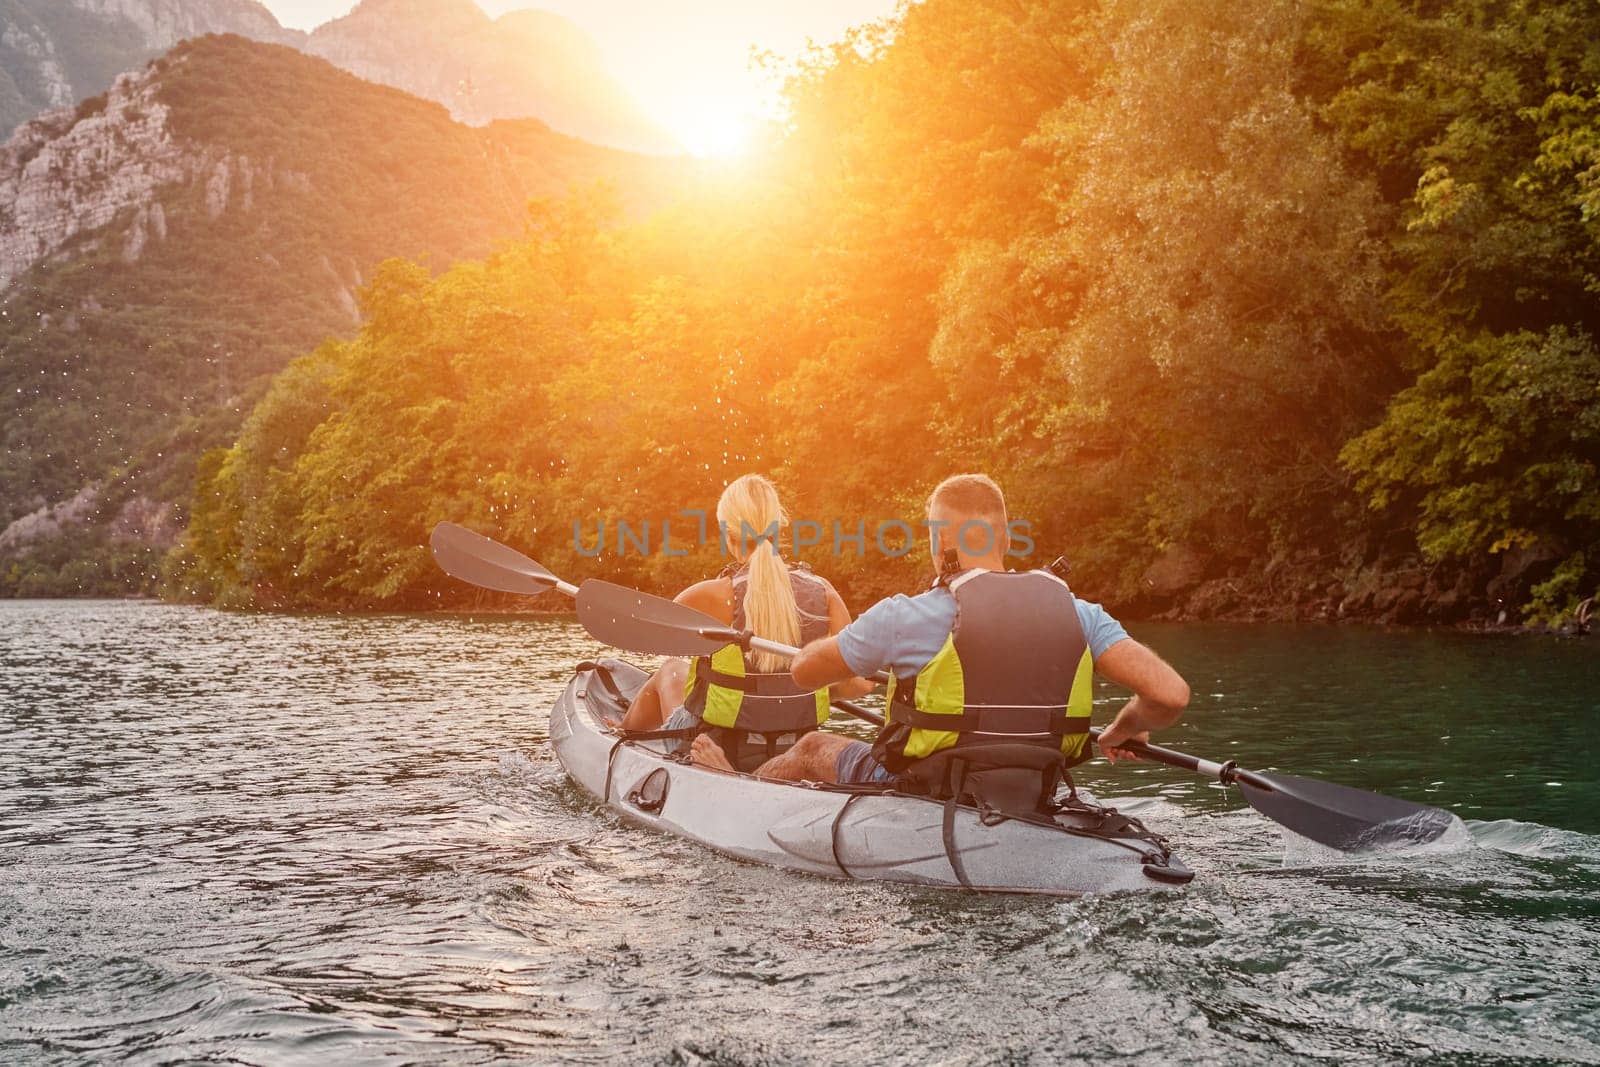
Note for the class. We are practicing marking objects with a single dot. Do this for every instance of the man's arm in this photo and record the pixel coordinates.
(820, 664)
(838, 619)
(870, 638)
(1159, 695)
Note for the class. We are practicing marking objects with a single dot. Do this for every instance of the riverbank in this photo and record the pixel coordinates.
(1359, 583)
(1244, 609)
(1485, 596)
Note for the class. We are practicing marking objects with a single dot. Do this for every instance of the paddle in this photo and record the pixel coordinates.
(485, 562)
(482, 561)
(1333, 815)
(640, 622)
(1351, 820)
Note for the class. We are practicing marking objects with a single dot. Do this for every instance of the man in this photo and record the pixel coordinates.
(983, 654)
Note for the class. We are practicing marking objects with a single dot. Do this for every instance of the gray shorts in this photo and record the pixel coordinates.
(681, 719)
(857, 765)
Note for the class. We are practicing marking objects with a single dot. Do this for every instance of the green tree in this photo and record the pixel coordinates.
(1479, 118)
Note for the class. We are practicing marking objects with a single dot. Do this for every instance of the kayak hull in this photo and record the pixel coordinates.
(806, 827)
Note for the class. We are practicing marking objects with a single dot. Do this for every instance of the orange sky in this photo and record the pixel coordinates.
(686, 61)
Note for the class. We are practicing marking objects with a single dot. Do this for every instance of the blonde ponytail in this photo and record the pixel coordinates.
(750, 507)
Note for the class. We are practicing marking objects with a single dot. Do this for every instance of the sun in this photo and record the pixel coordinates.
(709, 129)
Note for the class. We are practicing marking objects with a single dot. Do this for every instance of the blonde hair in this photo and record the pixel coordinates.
(750, 506)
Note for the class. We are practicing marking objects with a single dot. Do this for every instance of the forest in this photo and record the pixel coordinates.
(1263, 309)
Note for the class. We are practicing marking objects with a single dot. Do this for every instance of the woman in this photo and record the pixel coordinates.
(746, 702)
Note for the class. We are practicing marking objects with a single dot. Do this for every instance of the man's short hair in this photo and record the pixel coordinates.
(970, 496)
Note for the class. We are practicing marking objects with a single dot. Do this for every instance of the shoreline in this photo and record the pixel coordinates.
(1245, 617)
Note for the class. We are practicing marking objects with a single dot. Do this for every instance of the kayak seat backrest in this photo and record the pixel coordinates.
(1011, 779)
(747, 752)
(770, 703)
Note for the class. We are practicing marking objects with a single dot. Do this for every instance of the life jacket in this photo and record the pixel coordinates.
(1015, 678)
(733, 700)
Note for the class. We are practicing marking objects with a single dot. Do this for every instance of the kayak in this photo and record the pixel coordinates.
(844, 831)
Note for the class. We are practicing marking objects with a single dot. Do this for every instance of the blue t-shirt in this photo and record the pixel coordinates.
(903, 633)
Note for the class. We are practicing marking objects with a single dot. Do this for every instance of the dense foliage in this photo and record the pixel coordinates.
(1303, 294)
(120, 373)
(1484, 118)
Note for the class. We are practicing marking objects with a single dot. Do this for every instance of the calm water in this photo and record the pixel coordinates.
(308, 840)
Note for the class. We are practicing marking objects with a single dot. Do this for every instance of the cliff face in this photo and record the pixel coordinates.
(67, 174)
(163, 23)
(54, 53)
(33, 77)
(164, 251)
(527, 64)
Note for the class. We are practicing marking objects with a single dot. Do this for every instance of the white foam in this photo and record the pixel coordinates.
(1396, 839)
(1532, 839)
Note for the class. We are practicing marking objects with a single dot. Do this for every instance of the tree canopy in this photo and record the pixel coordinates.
(1303, 291)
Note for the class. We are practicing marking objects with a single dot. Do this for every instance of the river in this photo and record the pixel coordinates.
(281, 839)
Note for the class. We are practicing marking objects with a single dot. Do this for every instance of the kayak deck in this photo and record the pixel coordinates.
(835, 831)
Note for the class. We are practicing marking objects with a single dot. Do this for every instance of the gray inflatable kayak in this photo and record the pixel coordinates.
(840, 832)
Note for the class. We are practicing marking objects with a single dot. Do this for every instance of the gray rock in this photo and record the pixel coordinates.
(1178, 570)
(63, 175)
(146, 521)
(49, 521)
(1520, 569)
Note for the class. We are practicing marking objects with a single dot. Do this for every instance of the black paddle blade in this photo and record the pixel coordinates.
(1351, 820)
(639, 622)
(483, 562)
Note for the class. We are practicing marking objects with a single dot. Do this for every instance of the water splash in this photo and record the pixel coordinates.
(1535, 841)
(1415, 836)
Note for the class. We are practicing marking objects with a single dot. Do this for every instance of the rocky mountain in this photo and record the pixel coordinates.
(484, 69)
(167, 247)
(54, 53)
(526, 64)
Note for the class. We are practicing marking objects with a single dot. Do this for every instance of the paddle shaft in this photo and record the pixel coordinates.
(1226, 773)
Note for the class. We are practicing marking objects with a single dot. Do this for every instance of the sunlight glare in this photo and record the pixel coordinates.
(709, 129)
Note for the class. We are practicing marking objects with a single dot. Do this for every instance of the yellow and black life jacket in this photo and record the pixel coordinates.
(733, 700)
(1016, 669)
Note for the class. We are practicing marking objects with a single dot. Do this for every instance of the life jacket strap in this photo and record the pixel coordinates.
(1049, 720)
(761, 685)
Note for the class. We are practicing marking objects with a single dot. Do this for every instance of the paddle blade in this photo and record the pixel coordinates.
(483, 562)
(626, 618)
(1351, 820)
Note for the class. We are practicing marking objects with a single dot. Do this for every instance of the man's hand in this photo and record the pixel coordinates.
(1126, 727)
